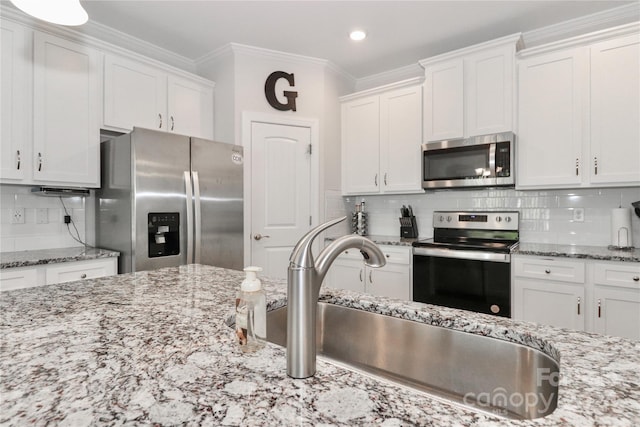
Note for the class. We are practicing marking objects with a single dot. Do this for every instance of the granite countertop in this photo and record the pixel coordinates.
(539, 249)
(584, 252)
(50, 256)
(153, 348)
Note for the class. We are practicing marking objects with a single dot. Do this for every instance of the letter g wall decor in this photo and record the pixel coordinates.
(270, 91)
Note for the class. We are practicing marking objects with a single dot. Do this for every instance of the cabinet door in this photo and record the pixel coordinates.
(400, 139)
(488, 91)
(347, 274)
(66, 112)
(549, 303)
(134, 95)
(14, 95)
(617, 311)
(190, 107)
(444, 101)
(361, 146)
(615, 112)
(550, 119)
(391, 281)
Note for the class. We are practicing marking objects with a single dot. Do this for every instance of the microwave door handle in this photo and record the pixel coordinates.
(492, 159)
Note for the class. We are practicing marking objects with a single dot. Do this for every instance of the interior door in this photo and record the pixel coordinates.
(280, 193)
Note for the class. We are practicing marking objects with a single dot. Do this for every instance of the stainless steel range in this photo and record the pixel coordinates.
(467, 263)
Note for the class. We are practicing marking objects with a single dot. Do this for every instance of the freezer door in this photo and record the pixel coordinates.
(160, 207)
(218, 193)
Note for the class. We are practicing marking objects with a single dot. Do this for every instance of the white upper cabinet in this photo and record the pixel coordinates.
(469, 92)
(15, 98)
(66, 112)
(579, 112)
(615, 111)
(381, 135)
(136, 94)
(550, 135)
(444, 101)
(190, 107)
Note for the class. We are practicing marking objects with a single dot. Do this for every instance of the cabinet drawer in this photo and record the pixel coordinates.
(393, 254)
(67, 272)
(18, 278)
(550, 269)
(627, 276)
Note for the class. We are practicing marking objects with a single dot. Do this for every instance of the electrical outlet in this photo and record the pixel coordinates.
(18, 216)
(578, 214)
(42, 216)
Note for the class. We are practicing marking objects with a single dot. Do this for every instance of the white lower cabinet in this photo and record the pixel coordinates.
(595, 296)
(549, 291)
(393, 280)
(49, 274)
(616, 299)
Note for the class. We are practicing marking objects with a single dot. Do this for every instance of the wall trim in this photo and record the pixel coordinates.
(402, 73)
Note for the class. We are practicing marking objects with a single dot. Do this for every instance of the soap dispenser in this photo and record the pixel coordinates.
(251, 312)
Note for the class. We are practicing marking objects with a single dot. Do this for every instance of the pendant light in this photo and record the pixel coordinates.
(62, 12)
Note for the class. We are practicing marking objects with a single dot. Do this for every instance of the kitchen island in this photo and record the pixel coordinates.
(154, 348)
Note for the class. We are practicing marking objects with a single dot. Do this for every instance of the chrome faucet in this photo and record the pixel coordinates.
(304, 279)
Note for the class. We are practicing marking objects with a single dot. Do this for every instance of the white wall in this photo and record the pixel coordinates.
(31, 235)
(545, 216)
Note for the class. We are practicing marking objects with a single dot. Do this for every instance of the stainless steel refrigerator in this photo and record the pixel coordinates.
(169, 200)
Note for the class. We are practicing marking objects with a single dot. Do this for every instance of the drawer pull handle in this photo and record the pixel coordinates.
(83, 276)
(370, 280)
(172, 123)
(361, 275)
(39, 162)
(159, 121)
(599, 309)
(636, 278)
(548, 271)
(577, 167)
(18, 159)
(578, 306)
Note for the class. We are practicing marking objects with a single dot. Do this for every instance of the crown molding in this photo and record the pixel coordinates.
(269, 54)
(386, 77)
(107, 40)
(377, 90)
(581, 40)
(584, 24)
(512, 39)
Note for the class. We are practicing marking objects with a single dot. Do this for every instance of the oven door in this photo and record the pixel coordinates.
(469, 280)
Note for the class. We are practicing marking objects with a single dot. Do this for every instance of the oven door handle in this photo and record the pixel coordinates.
(472, 255)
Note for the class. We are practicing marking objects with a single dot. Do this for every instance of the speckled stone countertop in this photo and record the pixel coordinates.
(50, 256)
(540, 249)
(153, 348)
(585, 252)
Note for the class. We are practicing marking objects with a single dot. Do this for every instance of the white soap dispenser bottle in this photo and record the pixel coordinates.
(251, 312)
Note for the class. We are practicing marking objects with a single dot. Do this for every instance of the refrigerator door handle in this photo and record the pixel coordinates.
(188, 187)
(197, 217)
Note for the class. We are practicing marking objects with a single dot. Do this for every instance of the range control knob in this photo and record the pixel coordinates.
(449, 219)
(507, 219)
(441, 219)
(498, 219)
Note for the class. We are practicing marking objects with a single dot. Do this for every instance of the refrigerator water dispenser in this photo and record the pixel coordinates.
(164, 234)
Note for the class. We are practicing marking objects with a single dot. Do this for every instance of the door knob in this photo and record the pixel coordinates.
(260, 236)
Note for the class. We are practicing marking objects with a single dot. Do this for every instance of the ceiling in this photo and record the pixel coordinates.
(399, 32)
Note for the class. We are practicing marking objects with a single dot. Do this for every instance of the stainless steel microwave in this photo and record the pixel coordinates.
(479, 161)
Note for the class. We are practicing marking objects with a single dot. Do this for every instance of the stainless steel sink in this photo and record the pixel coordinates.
(482, 373)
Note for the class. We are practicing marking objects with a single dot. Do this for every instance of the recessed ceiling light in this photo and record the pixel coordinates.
(62, 12)
(357, 35)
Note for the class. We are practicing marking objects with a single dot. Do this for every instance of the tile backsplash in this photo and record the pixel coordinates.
(545, 216)
(43, 226)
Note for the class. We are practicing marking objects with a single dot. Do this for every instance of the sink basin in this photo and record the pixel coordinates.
(478, 372)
